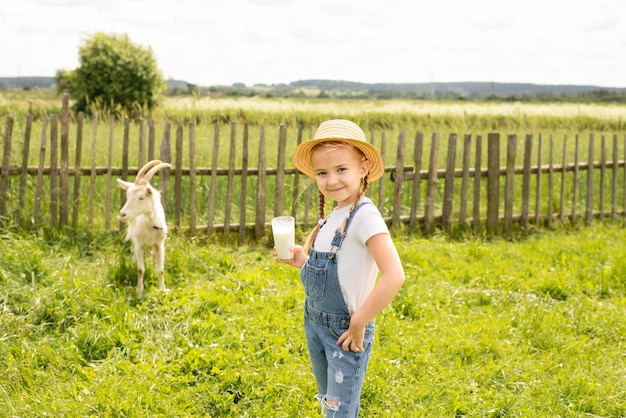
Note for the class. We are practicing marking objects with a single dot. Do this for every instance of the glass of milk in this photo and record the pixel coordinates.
(283, 228)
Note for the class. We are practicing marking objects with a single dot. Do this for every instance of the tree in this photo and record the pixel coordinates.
(114, 75)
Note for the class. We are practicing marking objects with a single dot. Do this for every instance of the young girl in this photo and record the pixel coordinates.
(340, 262)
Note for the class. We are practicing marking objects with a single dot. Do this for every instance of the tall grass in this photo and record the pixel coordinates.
(481, 328)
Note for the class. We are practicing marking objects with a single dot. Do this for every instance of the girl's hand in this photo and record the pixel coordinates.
(352, 339)
(299, 257)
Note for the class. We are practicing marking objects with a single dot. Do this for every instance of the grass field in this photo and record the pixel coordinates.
(480, 329)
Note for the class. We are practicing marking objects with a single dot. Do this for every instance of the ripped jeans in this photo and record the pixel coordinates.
(339, 374)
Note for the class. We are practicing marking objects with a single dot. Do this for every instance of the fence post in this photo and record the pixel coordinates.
(563, 174)
(24, 170)
(417, 162)
(259, 223)
(213, 184)
(64, 171)
(448, 187)
(6, 160)
(244, 185)
(602, 174)
(477, 180)
(528, 148)
(431, 185)
(54, 172)
(590, 167)
(614, 180)
(77, 169)
(178, 176)
(465, 179)
(42, 161)
(280, 171)
(192, 178)
(381, 181)
(399, 180)
(125, 163)
(539, 173)
(550, 181)
(493, 181)
(575, 181)
(511, 153)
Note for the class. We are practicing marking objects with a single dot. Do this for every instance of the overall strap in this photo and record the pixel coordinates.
(340, 233)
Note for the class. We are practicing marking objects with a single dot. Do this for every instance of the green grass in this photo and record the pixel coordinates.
(481, 329)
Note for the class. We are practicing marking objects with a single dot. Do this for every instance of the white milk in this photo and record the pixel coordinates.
(284, 239)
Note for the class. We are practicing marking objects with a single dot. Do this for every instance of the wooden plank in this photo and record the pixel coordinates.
(602, 190)
(416, 188)
(54, 171)
(244, 186)
(575, 180)
(614, 170)
(280, 171)
(193, 208)
(125, 163)
(477, 184)
(77, 168)
(65, 162)
(381, 181)
(310, 186)
(151, 140)
(213, 182)
(528, 148)
(42, 161)
(397, 194)
(107, 222)
(563, 179)
(228, 204)
(92, 177)
(6, 161)
(589, 195)
(550, 180)
(493, 182)
(141, 152)
(465, 179)
(538, 186)
(165, 152)
(24, 168)
(295, 197)
(509, 187)
(178, 178)
(448, 186)
(431, 185)
(261, 199)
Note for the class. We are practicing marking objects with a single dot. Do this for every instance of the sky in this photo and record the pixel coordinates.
(221, 42)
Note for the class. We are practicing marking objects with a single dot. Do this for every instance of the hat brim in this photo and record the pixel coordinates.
(302, 156)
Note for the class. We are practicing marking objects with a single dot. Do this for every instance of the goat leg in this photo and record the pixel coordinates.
(138, 250)
(158, 255)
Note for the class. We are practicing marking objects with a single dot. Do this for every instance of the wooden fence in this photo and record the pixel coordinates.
(486, 183)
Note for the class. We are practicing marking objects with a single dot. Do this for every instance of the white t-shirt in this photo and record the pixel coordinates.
(356, 267)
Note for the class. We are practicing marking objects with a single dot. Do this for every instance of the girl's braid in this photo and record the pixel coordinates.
(320, 213)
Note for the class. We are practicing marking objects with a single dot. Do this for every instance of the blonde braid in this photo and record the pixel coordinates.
(361, 194)
(308, 244)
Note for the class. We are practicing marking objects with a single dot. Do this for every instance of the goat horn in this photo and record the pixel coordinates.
(146, 179)
(144, 169)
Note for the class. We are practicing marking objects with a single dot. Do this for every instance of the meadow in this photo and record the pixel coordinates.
(482, 328)
(533, 327)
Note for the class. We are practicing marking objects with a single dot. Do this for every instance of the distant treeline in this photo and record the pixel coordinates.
(486, 91)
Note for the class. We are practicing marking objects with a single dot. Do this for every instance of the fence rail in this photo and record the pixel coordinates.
(488, 184)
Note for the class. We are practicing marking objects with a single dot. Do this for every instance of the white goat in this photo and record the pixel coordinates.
(146, 220)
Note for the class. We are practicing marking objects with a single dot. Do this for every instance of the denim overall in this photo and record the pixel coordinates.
(339, 374)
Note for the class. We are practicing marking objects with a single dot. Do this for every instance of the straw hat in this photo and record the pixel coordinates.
(341, 131)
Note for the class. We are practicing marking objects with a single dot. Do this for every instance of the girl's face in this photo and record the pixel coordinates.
(339, 170)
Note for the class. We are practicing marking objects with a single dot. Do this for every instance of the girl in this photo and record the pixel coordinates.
(340, 262)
